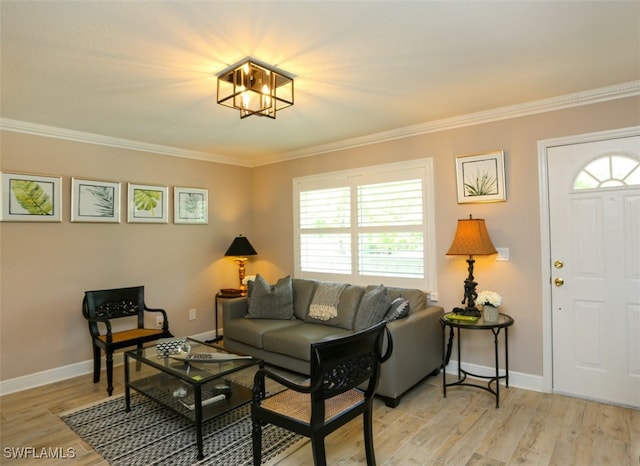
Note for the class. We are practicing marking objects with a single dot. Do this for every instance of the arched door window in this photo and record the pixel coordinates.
(610, 171)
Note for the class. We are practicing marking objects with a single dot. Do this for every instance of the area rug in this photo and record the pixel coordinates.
(151, 434)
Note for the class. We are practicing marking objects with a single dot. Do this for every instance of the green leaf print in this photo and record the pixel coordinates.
(102, 200)
(32, 197)
(482, 185)
(146, 199)
(192, 204)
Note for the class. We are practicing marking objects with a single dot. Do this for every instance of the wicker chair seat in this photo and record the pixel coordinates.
(134, 334)
(297, 405)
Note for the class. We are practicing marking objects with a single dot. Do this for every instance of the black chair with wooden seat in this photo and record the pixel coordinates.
(101, 307)
(331, 398)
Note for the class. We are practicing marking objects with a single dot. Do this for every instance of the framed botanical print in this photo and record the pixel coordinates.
(31, 198)
(95, 201)
(480, 178)
(147, 203)
(190, 205)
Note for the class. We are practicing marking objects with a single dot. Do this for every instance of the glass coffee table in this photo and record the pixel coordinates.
(200, 384)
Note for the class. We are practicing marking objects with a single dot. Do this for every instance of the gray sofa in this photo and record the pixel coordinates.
(283, 339)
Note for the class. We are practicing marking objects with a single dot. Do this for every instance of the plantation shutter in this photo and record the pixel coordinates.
(390, 229)
(364, 226)
(325, 239)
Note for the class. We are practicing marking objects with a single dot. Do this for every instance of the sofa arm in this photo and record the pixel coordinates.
(420, 325)
(417, 352)
(234, 309)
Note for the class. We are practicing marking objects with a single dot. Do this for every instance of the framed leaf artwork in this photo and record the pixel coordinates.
(190, 205)
(95, 201)
(147, 203)
(30, 198)
(480, 178)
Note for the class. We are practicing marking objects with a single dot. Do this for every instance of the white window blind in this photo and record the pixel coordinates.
(390, 236)
(371, 225)
(325, 239)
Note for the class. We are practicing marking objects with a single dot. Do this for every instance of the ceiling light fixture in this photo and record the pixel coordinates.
(255, 89)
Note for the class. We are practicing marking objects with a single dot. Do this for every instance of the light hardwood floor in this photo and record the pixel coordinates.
(529, 428)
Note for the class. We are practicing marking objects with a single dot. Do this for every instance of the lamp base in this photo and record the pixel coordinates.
(467, 311)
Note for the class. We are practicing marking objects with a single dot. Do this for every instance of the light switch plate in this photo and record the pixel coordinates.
(503, 254)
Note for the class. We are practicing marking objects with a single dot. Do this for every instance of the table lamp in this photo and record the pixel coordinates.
(241, 248)
(471, 239)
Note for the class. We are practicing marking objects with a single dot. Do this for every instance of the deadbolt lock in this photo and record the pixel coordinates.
(559, 281)
(558, 264)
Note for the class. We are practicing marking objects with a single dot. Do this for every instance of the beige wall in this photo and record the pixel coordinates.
(45, 268)
(514, 224)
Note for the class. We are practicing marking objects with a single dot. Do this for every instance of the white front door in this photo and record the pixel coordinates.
(594, 229)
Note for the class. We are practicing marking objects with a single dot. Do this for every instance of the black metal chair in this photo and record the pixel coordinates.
(331, 399)
(100, 307)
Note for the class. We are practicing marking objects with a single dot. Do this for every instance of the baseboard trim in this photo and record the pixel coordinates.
(58, 374)
(516, 379)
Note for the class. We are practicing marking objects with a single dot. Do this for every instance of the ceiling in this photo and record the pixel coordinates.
(145, 71)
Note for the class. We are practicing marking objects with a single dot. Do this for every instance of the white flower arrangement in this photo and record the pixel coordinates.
(489, 297)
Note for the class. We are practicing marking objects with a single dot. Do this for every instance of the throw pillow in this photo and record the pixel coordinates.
(271, 301)
(399, 309)
(373, 307)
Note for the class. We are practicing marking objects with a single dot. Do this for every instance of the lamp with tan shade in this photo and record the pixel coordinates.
(471, 239)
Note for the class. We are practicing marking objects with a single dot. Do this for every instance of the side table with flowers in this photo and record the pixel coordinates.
(490, 302)
(460, 326)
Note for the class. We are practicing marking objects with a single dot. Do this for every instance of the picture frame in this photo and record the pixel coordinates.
(481, 178)
(147, 203)
(95, 201)
(190, 206)
(30, 198)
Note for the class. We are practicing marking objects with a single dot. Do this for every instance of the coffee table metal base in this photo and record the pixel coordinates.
(192, 390)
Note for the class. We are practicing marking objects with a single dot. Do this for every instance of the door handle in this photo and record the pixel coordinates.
(558, 264)
(559, 281)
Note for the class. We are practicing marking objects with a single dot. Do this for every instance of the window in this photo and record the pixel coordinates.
(367, 226)
(611, 171)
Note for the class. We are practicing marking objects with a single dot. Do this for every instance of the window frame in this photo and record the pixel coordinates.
(363, 176)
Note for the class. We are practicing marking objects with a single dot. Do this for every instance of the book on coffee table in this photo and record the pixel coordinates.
(207, 357)
(190, 404)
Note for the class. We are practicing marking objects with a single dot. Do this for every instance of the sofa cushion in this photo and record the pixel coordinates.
(399, 309)
(271, 301)
(373, 307)
(252, 331)
(303, 290)
(347, 307)
(296, 341)
(417, 298)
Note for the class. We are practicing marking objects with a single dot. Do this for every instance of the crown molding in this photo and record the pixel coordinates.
(603, 94)
(108, 141)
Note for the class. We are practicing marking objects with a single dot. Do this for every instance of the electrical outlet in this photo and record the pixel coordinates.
(503, 254)
(192, 314)
(159, 321)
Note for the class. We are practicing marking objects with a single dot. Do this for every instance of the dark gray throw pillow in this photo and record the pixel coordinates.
(373, 307)
(271, 301)
(399, 309)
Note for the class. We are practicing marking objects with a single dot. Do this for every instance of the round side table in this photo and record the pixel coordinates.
(504, 322)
